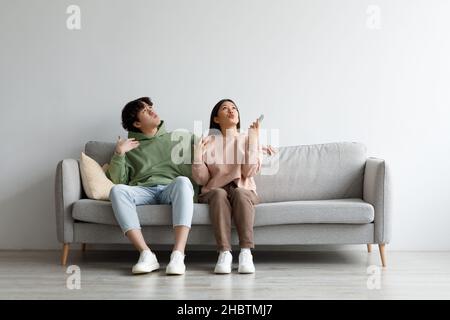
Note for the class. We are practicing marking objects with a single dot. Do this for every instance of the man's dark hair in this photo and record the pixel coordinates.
(130, 112)
(215, 111)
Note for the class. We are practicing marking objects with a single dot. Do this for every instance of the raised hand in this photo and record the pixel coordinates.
(253, 133)
(199, 148)
(269, 150)
(125, 145)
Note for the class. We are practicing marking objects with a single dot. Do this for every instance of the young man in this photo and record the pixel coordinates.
(144, 173)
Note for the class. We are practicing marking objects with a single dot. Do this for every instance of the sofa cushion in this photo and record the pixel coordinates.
(304, 172)
(101, 152)
(348, 211)
(95, 182)
(313, 172)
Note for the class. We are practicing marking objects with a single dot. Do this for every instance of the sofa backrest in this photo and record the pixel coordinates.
(101, 152)
(305, 172)
(314, 172)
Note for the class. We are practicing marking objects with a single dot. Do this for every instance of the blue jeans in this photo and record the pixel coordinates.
(179, 193)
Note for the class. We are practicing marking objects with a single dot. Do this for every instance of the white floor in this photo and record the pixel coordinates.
(279, 275)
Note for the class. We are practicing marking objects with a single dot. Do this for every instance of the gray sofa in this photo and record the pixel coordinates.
(310, 194)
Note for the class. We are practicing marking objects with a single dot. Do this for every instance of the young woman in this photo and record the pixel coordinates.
(224, 165)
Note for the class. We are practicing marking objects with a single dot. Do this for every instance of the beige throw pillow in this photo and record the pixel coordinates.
(95, 182)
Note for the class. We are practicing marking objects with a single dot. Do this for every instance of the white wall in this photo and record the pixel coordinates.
(314, 68)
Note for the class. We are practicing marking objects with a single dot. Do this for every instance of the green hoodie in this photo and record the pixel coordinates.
(150, 164)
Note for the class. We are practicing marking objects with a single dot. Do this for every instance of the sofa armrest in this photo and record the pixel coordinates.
(68, 189)
(377, 192)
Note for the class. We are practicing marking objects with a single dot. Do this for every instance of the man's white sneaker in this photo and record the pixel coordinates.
(224, 262)
(147, 263)
(246, 262)
(176, 264)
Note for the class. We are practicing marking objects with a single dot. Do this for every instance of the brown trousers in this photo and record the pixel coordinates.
(231, 202)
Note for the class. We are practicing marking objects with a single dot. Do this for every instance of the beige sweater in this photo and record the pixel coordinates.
(225, 160)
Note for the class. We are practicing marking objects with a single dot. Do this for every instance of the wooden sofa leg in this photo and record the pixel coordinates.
(65, 253)
(382, 254)
(83, 247)
(369, 247)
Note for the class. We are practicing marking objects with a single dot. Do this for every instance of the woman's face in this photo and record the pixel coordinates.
(227, 116)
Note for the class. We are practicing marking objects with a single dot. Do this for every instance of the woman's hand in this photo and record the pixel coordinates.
(199, 148)
(253, 133)
(123, 146)
(269, 150)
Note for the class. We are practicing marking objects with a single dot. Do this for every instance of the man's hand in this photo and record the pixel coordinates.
(123, 146)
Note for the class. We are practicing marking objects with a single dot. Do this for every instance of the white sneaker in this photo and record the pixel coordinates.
(224, 262)
(176, 264)
(147, 263)
(246, 262)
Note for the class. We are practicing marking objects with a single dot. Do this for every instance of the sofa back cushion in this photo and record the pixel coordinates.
(313, 172)
(101, 152)
(305, 172)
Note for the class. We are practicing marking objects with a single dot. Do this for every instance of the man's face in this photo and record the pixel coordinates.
(147, 118)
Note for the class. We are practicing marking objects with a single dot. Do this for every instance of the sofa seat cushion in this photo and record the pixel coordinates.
(347, 211)
(149, 215)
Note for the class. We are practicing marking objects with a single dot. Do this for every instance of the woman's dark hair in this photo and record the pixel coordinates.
(213, 126)
(130, 112)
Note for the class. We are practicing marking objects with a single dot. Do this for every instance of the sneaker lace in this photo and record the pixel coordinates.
(144, 256)
(222, 257)
(176, 257)
(246, 257)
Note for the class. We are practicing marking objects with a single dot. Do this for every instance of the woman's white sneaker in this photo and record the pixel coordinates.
(176, 264)
(147, 263)
(224, 262)
(246, 262)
